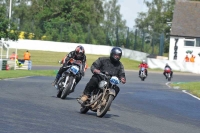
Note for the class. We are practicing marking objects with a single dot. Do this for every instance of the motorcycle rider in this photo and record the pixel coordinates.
(145, 65)
(77, 54)
(171, 72)
(112, 65)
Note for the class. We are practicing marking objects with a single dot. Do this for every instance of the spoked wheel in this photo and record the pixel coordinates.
(103, 109)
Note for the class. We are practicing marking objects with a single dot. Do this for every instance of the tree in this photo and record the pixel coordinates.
(115, 27)
(154, 22)
(7, 29)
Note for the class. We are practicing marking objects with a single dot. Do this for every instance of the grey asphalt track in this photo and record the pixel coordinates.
(29, 105)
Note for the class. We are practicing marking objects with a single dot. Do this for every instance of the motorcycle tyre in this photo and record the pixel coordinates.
(84, 110)
(59, 90)
(66, 91)
(59, 94)
(142, 78)
(107, 106)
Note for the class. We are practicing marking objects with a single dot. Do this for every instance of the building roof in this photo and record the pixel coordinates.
(186, 19)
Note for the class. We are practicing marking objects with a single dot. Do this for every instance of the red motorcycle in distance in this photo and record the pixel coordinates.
(168, 73)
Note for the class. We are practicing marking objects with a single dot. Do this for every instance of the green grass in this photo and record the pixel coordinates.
(24, 73)
(191, 87)
(52, 58)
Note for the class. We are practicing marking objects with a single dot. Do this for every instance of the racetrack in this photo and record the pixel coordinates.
(30, 105)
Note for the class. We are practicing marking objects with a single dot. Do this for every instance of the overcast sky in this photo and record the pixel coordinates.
(130, 9)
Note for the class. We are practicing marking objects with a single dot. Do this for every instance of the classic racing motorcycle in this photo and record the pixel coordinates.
(102, 97)
(168, 73)
(142, 74)
(66, 83)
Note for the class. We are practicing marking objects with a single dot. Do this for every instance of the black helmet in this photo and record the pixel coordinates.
(115, 51)
(79, 52)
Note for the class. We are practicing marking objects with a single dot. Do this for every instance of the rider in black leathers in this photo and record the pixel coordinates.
(111, 65)
(171, 74)
(77, 54)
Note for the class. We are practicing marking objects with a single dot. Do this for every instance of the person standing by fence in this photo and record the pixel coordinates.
(187, 59)
(192, 58)
(27, 55)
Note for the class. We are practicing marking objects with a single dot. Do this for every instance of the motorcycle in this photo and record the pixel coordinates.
(142, 74)
(102, 97)
(66, 83)
(168, 73)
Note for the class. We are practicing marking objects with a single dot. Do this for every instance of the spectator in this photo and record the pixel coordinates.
(187, 59)
(13, 56)
(27, 55)
(192, 58)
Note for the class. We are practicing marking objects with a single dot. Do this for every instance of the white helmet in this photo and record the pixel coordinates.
(143, 61)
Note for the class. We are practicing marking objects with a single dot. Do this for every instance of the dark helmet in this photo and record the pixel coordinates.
(114, 52)
(79, 52)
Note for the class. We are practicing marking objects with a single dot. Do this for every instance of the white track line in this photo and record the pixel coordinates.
(184, 91)
(167, 84)
(17, 78)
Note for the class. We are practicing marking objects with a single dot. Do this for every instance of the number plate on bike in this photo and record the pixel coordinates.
(114, 80)
(74, 69)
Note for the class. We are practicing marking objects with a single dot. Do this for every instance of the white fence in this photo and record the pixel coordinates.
(67, 47)
(175, 65)
(104, 50)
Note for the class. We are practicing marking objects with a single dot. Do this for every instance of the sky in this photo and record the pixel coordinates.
(129, 10)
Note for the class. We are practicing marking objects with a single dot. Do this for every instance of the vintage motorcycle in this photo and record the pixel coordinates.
(168, 73)
(66, 83)
(142, 74)
(102, 97)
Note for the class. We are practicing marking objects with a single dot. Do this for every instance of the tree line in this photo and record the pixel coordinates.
(86, 21)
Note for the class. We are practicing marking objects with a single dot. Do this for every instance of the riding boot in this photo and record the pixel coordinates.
(84, 98)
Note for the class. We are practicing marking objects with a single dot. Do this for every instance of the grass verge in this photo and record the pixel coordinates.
(24, 73)
(191, 87)
(51, 58)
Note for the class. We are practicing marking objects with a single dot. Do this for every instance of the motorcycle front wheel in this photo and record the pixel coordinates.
(66, 90)
(103, 109)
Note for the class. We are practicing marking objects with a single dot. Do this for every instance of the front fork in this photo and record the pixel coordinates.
(66, 79)
(111, 92)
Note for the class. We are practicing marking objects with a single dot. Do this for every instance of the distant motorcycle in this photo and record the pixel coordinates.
(142, 74)
(102, 97)
(67, 82)
(168, 73)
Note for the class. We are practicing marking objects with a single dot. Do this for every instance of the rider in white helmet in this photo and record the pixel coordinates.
(145, 65)
(171, 72)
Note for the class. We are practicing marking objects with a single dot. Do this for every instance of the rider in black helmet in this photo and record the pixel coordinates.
(112, 65)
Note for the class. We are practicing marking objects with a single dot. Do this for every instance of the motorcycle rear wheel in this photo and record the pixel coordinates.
(84, 110)
(59, 89)
(103, 110)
